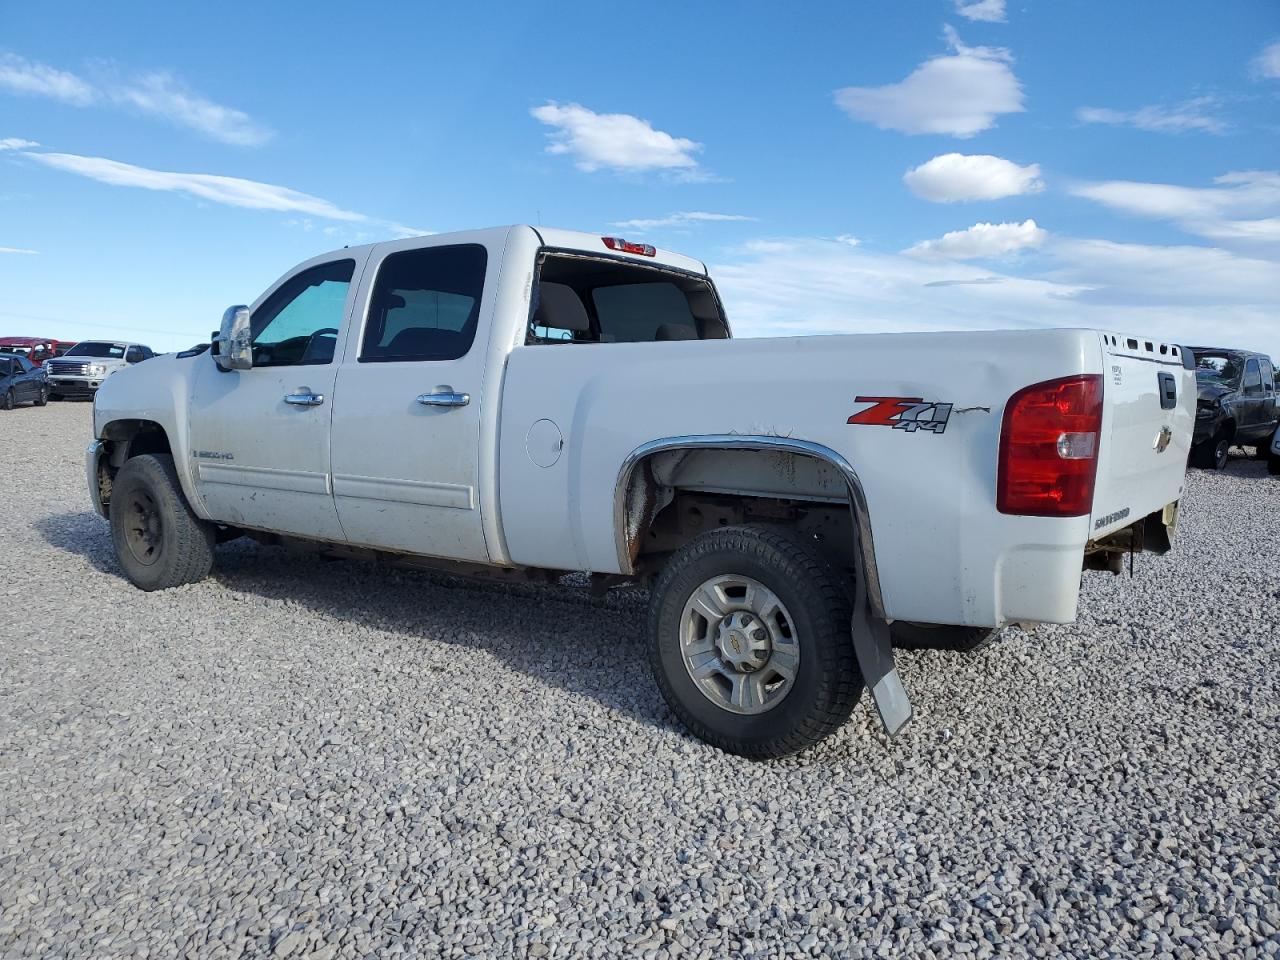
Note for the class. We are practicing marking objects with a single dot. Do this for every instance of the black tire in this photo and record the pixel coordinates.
(827, 682)
(9, 401)
(43, 398)
(1273, 465)
(159, 542)
(936, 636)
(1212, 454)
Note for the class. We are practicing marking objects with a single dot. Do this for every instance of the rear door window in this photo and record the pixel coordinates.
(425, 304)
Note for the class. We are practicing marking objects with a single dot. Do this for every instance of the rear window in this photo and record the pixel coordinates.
(579, 299)
(634, 312)
(93, 348)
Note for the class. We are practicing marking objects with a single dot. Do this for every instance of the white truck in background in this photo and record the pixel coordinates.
(523, 402)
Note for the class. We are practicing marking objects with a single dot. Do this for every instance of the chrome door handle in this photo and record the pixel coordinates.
(444, 399)
(304, 398)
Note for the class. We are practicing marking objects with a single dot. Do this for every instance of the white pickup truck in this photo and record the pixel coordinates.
(524, 402)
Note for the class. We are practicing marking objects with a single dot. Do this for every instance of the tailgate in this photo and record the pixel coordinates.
(1149, 409)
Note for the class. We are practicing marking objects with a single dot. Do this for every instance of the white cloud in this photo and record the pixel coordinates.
(19, 75)
(1171, 293)
(1266, 65)
(991, 11)
(954, 177)
(1226, 211)
(17, 250)
(16, 143)
(847, 238)
(157, 93)
(1180, 118)
(230, 191)
(682, 219)
(161, 95)
(615, 141)
(982, 241)
(960, 93)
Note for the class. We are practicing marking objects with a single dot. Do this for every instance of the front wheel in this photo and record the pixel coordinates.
(1273, 464)
(9, 400)
(750, 644)
(43, 397)
(1212, 454)
(158, 541)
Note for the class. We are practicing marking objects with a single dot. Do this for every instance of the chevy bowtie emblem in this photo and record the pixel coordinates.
(1162, 439)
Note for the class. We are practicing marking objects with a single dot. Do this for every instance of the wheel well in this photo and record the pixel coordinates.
(1227, 426)
(125, 439)
(134, 438)
(671, 491)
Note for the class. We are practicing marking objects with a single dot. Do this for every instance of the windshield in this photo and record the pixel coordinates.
(95, 348)
(1217, 368)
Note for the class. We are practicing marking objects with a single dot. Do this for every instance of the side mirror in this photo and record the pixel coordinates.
(233, 347)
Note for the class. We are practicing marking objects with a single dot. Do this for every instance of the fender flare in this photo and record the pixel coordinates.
(865, 545)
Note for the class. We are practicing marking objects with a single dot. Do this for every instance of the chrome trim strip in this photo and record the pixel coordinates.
(857, 497)
(92, 460)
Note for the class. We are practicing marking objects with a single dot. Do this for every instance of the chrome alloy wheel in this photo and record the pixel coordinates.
(739, 644)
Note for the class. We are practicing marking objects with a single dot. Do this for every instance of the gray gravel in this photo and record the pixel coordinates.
(309, 759)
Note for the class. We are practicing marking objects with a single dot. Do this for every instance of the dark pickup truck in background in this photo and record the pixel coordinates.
(1238, 403)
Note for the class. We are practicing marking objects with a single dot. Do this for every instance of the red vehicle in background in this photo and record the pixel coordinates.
(35, 349)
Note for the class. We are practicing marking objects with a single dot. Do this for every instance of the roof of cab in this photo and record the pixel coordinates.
(575, 240)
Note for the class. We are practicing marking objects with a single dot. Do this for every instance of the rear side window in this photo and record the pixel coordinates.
(1268, 377)
(635, 312)
(425, 304)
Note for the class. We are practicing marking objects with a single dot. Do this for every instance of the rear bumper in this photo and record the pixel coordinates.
(93, 455)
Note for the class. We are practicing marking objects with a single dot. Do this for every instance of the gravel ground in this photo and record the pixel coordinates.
(310, 759)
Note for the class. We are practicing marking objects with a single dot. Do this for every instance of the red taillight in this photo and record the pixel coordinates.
(626, 246)
(1049, 448)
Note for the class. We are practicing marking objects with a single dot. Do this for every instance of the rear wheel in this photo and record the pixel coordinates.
(158, 541)
(936, 636)
(750, 644)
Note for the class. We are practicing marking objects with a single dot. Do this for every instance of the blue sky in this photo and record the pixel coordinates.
(869, 166)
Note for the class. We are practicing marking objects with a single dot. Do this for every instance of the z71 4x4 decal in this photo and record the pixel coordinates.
(903, 413)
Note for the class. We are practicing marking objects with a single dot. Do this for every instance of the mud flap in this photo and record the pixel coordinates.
(874, 649)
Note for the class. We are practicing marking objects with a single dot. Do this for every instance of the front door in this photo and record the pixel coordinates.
(260, 437)
(406, 415)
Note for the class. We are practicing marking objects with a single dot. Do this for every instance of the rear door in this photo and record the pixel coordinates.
(1270, 413)
(1253, 407)
(406, 417)
(1149, 404)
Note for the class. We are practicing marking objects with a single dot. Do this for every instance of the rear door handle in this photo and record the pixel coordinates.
(444, 397)
(304, 398)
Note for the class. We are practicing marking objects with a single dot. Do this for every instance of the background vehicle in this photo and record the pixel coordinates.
(1237, 404)
(521, 403)
(1273, 454)
(35, 349)
(21, 381)
(81, 370)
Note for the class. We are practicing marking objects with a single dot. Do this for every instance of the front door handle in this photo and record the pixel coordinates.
(304, 398)
(444, 397)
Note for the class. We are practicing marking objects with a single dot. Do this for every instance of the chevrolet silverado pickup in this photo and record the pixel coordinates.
(523, 402)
